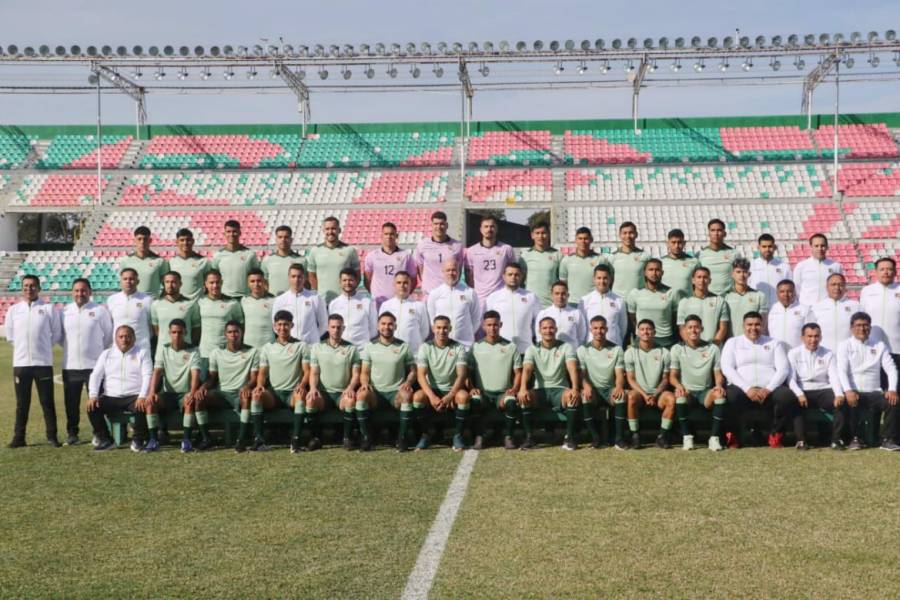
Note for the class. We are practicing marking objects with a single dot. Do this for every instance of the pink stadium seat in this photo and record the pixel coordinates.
(860, 141)
(587, 149)
(499, 185)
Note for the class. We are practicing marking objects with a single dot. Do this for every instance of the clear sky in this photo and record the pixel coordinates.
(188, 22)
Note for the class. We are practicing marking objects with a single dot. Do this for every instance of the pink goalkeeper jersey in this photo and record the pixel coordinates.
(487, 265)
(383, 267)
(429, 256)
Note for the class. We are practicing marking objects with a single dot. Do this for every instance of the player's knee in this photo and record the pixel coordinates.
(461, 398)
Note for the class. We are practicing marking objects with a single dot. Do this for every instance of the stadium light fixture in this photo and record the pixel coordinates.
(426, 48)
(205, 74)
(747, 64)
(631, 43)
(484, 70)
(153, 51)
(370, 72)
(251, 73)
(258, 50)
(809, 39)
(288, 50)
(604, 66)
(169, 51)
(873, 37)
(137, 50)
(301, 73)
(275, 72)
(679, 42)
(696, 42)
(775, 64)
(599, 44)
(776, 41)
(855, 37)
(538, 45)
(760, 41)
(586, 45)
(136, 74)
(183, 74)
(676, 66)
(793, 39)
(581, 68)
(890, 35)
(558, 69)
(723, 65)
(184, 51)
(61, 50)
(897, 58)
(415, 71)
(457, 48)
(107, 51)
(438, 71)
(160, 74)
(629, 66)
(617, 44)
(473, 47)
(199, 51)
(323, 73)
(319, 49)
(824, 39)
(364, 49)
(411, 49)
(799, 63)
(216, 51)
(395, 49)
(569, 45)
(653, 66)
(521, 47)
(874, 61)
(504, 46)
(303, 50)
(712, 43)
(379, 49)
(699, 66)
(664, 43)
(392, 71)
(228, 50)
(488, 47)
(93, 79)
(648, 44)
(849, 62)
(346, 73)
(44, 50)
(554, 46)
(228, 74)
(29, 51)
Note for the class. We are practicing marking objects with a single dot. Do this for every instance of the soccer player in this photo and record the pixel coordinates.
(767, 270)
(787, 317)
(441, 369)
(860, 360)
(234, 262)
(647, 372)
(656, 302)
(385, 262)
(517, 306)
(571, 324)
(881, 300)
(677, 265)
(431, 253)
(359, 312)
(411, 315)
(602, 365)
(712, 309)
(607, 304)
(310, 315)
(283, 377)
(333, 382)
(834, 312)
(86, 331)
(123, 374)
(325, 262)
(741, 298)
(540, 263)
(33, 327)
(717, 256)
(257, 309)
(458, 302)
(811, 275)
(386, 381)
(486, 261)
(553, 366)
(176, 370)
(628, 261)
(815, 381)
(189, 264)
(275, 266)
(174, 305)
(149, 265)
(757, 369)
(216, 311)
(495, 371)
(695, 372)
(578, 269)
(131, 307)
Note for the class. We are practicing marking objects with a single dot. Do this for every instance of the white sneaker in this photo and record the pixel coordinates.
(714, 444)
(95, 441)
(135, 446)
(688, 442)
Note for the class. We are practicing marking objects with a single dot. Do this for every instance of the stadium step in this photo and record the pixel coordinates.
(113, 190)
(129, 160)
(9, 264)
(89, 229)
(38, 149)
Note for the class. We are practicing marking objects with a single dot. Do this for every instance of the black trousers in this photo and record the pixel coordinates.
(877, 402)
(42, 377)
(74, 380)
(821, 400)
(781, 403)
(110, 405)
(884, 379)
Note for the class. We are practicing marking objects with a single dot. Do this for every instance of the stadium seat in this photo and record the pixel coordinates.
(510, 148)
(432, 148)
(14, 148)
(857, 141)
(51, 189)
(80, 152)
(510, 186)
(767, 143)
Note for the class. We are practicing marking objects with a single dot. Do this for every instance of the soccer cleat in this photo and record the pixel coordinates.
(662, 442)
(635, 440)
(424, 442)
(240, 446)
(687, 442)
(53, 443)
(478, 443)
(295, 445)
(366, 445)
(528, 444)
(775, 440)
(596, 445)
(509, 443)
(801, 445)
(348, 444)
(95, 441)
(152, 446)
(259, 445)
(731, 440)
(136, 446)
(314, 444)
(72, 440)
(855, 444)
(621, 445)
(890, 445)
(204, 445)
(163, 436)
(402, 444)
(104, 445)
(715, 444)
(186, 446)
(569, 444)
(458, 444)
(838, 445)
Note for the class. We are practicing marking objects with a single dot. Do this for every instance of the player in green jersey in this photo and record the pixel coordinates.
(540, 263)
(257, 308)
(712, 309)
(656, 302)
(742, 298)
(717, 257)
(149, 265)
(234, 261)
(275, 266)
(189, 264)
(647, 372)
(678, 266)
(325, 262)
(216, 310)
(577, 270)
(333, 381)
(174, 305)
(602, 365)
(628, 261)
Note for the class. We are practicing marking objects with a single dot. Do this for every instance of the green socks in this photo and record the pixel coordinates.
(312, 421)
(152, 424)
(462, 413)
(362, 417)
(203, 424)
(406, 411)
(621, 413)
(718, 414)
(419, 414)
(587, 410)
(681, 411)
(348, 423)
(509, 415)
(526, 420)
(571, 416)
(256, 416)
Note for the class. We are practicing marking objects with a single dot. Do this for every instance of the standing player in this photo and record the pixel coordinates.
(834, 312)
(385, 262)
(149, 265)
(411, 315)
(647, 372)
(717, 256)
(431, 253)
(486, 261)
(174, 305)
(131, 307)
(628, 261)
(712, 310)
(333, 382)
(359, 312)
(677, 265)
(234, 262)
(257, 309)
(811, 275)
(325, 262)
(458, 302)
(602, 365)
(540, 263)
(607, 304)
(578, 269)
(190, 265)
(741, 298)
(655, 302)
(881, 300)
(33, 327)
(216, 311)
(767, 270)
(571, 324)
(517, 308)
(310, 315)
(787, 317)
(275, 266)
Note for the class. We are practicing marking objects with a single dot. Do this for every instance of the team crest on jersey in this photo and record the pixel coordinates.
(243, 355)
(796, 313)
(411, 311)
(820, 361)
(612, 304)
(571, 319)
(40, 311)
(185, 357)
(134, 358)
(766, 347)
(91, 314)
(523, 299)
(872, 351)
(452, 353)
(663, 296)
(704, 355)
(266, 305)
(712, 304)
(290, 349)
(359, 306)
(222, 305)
(343, 350)
(140, 305)
(728, 257)
(556, 354)
(846, 309)
(395, 350)
(778, 270)
(307, 303)
(243, 257)
(897, 295)
(609, 355)
(462, 296)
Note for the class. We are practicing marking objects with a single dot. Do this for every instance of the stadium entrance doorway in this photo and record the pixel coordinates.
(515, 225)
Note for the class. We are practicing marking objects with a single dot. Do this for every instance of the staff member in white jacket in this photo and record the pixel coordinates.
(359, 312)
(834, 312)
(306, 306)
(517, 306)
(571, 324)
(881, 300)
(412, 315)
(458, 302)
(814, 380)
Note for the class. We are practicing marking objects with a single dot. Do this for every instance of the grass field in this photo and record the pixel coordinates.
(750, 523)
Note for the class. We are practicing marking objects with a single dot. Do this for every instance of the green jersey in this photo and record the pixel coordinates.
(276, 268)
(193, 270)
(712, 310)
(628, 268)
(258, 320)
(150, 270)
(696, 366)
(648, 366)
(719, 264)
(234, 266)
(441, 363)
(284, 362)
(578, 272)
(677, 272)
(388, 364)
(164, 310)
(660, 306)
(541, 270)
(492, 366)
(335, 364)
(327, 263)
(214, 314)
(601, 364)
(550, 364)
(177, 365)
(741, 304)
(234, 368)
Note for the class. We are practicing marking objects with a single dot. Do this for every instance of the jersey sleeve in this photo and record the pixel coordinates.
(717, 357)
(158, 357)
(236, 312)
(570, 353)
(311, 260)
(675, 358)
(355, 362)
(763, 303)
(680, 312)
(422, 356)
(581, 355)
(629, 360)
(620, 358)
(195, 364)
(154, 314)
(462, 358)
(666, 359)
(369, 263)
(263, 357)
(314, 357)
(365, 356)
(213, 362)
(517, 361)
(254, 361)
(407, 356)
(631, 301)
(529, 356)
(564, 269)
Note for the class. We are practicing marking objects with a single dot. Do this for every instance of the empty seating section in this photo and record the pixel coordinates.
(259, 189)
(80, 152)
(221, 151)
(431, 148)
(857, 141)
(58, 190)
(14, 148)
(697, 183)
(58, 269)
(359, 226)
(767, 143)
(605, 146)
(869, 179)
(874, 220)
(510, 148)
(511, 186)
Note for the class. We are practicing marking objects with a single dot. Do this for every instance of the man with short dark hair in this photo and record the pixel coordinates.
(149, 265)
(234, 261)
(811, 275)
(486, 261)
(571, 323)
(717, 256)
(628, 261)
(881, 300)
(767, 270)
(741, 298)
(606, 303)
(787, 317)
(310, 315)
(358, 311)
(411, 315)
(678, 266)
(382, 264)
(578, 269)
(647, 371)
(276, 264)
(656, 302)
(325, 262)
(602, 365)
(174, 305)
(712, 309)
(258, 307)
(834, 312)
(132, 307)
(540, 263)
(189, 264)
(431, 253)
(517, 308)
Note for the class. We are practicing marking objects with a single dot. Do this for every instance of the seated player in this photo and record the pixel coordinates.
(333, 380)
(712, 309)
(647, 372)
(283, 378)
(695, 371)
(386, 380)
(553, 365)
(441, 367)
(602, 365)
(123, 372)
(495, 370)
(571, 324)
(815, 381)
(358, 311)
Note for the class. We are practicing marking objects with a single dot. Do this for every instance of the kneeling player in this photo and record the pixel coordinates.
(333, 379)
(647, 371)
(696, 374)
(602, 366)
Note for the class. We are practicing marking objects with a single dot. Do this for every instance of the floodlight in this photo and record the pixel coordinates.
(288, 50)
(799, 63)
(664, 43)
(760, 41)
(776, 41)
(457, 47)
(251, 73)
(442, 47)
(29, 51)
(793, 39)
(257, 50)
(775, 64)
(415, 71)
(370, 72)
(272, 50)
(554, 46)
(93, 79)
(182, 74)
(227, 50)
(473, 47)
(379, 49)
(275, 72)
(599, 44)
(809, 39)
(75, 50)
(653, 66)
(631, 43)
(747, 64)
(723, 66)
(676, 66)
(392, 71)
(824, 39)
(160, 74)
(838, 38)
(228, 74)
(184, 51)
(744, 41)
(696, 42)
(346, 73)
(199, 51)
(168, 50)
(874, 61)
(890, 35)
(153, 51)
(712, 42)
(873, 36)
(538, 46)
(44, 50)
(426, 47)
(849, 62)
(323, 73)
(484, 70)
(205, 74)
(411, 48)
(301, 73)
(581, 68)
(488, 47)
(897, 58)
(728, 42)
(216, 51)
(586, 45)
(855, 37)
(616, 44)
(569, 45)
(395, 49)
(319, 49)
(648, 44)
(504, 46)
(604, 66)
(558, 69)
(679, 42)
(629, 67)
(438, 71)
(363, 49)
(136, 74)
(699, 66)
(521, 46)
(61, 51)
(12, 50)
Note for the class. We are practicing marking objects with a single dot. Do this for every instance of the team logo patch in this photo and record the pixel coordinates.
(796, 313)
(411, 311)
(185, 357)
(452, 353)
(612, 304)
(704, 355)
(728, 257)
(820, 361)
(134, 359)
(897, 295)
(222, 305)
(846, 309)
(462, 297)
(556, 354)
(307, 303)
(778, 270)
(663, 296)
(712, 304)
(523, 299)
(395, 350)
(266, 305)
(40, 311)
(609, 355)
(766, 347)
(571, 319)
(91, 314)
(872, 351)
(243, 355)
(140, 305)
(359, 306)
